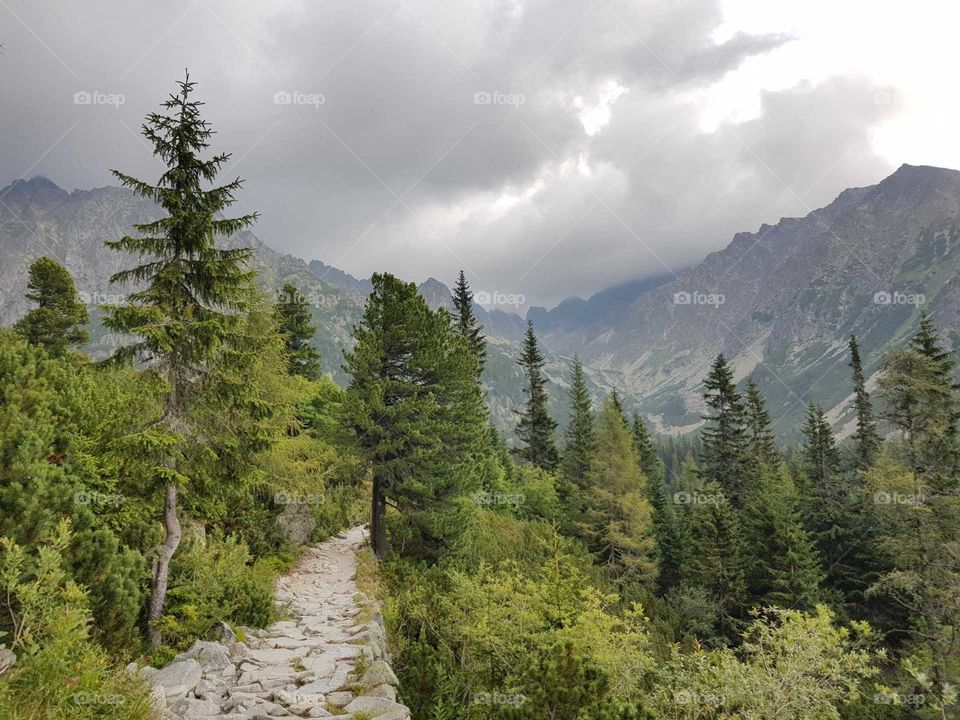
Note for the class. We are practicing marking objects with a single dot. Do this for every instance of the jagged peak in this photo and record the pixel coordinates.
(36, 184)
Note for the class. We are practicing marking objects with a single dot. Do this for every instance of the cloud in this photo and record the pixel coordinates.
(447, 134)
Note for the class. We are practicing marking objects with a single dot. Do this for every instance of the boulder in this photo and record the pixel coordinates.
(178, 678)
(210, 655)
(379, 673)
(295, 523)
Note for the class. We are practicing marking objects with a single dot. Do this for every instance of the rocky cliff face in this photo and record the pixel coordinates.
(780, 302)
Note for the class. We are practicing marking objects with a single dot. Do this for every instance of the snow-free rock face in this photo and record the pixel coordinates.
(329, 659)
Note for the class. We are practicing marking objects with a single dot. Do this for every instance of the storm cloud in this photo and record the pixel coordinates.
(549, 148)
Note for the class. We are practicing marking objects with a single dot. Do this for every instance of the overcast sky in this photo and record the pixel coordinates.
(548, 147)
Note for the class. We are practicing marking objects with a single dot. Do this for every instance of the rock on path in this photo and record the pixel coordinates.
(328, 659)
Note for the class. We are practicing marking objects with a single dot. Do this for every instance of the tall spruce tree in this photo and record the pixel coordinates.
(646, 450)
(831, 505)
(194, 297)
(866, 440)
(415, 406)
(761, 445)
(581, 440)
(60, 319)
(536, 428)
(716, 557)
(724, 438)
(666, 525)
(783, 565)
(296, 325)
(926, 341)
(466, 323)
(918, 506)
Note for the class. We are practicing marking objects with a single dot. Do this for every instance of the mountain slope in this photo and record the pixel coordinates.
(781, 302)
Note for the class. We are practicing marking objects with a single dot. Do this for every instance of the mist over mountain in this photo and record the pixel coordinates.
(780, 303)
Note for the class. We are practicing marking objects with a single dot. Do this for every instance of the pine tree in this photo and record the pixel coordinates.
(716, 557)
(723, 456)
(784, 569)
(581, 439)
(832, 510)
(536, 428)
(415, 406)
(195, 293)
(618, 518)
(618, 405)
(821, 457)
(866, 439)
(60, 319)
(466, 323)
(926, 342)
(761, 445)
(295, 323)
(666, 524)
(646, 450)
(918, 506)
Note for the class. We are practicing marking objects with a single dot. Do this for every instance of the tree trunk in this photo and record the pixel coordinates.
(378, 530)
(161, 567)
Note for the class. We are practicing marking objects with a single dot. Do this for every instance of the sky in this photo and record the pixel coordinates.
(549, 148)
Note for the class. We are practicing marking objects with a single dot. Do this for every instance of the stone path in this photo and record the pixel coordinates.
(328, 659)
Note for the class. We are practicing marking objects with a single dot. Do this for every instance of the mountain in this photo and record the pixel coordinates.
(39, 218)
(780, 303)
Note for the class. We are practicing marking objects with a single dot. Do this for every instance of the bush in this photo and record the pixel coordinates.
(60, 673)
(213, 582)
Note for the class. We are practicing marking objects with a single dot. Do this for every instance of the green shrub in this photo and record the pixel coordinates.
(60, 674)
(213, 582)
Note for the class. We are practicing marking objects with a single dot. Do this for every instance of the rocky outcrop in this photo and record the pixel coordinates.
(328, 659)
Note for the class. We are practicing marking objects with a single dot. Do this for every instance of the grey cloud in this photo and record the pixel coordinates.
(398, 80)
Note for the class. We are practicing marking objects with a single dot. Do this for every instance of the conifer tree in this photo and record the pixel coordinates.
(581, 440)
(194, 297)
(724, 438)
(618, 405)
(761, 445)
(918, 506)
(296, 325)
(784, 569)
(866, 439)
(618, 518)
(646, 450)
(466, 323)
(821, 457)
(60, 319)
(832, 509)
(666, 525)
(926, 342)
(536, 428)
(716, 557)
(415, 406)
